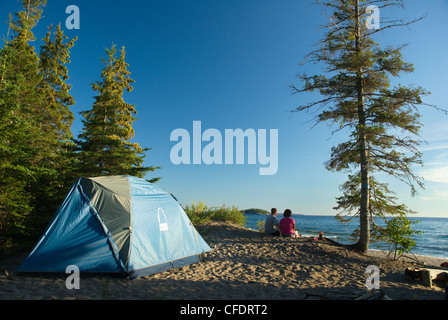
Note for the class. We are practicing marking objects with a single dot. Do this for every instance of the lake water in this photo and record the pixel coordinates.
(433, 242)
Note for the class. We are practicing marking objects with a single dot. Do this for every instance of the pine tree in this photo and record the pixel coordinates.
(19, 128)
(55, 120)
(382, 123)
(105, 142)
(54, 56)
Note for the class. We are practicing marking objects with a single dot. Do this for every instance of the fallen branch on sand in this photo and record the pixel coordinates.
(308, 295)
(374, 295)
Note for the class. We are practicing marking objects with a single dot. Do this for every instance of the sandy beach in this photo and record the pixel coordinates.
(243, 265)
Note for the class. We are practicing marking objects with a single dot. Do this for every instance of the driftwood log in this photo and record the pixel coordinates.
(428, 276)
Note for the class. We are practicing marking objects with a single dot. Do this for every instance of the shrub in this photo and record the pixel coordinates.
(260, 225)
(200, 214)
(232, 214)
(398, 232)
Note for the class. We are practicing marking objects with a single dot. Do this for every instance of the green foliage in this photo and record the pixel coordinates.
(382, 206)
(382, 202)
(38, 156)
(27, 19)
(381, 123)
(25, 154)
(54, 57)
(200, 214)
(56, 120)
(398, 232)
(256, 211)
(231, 214)
(105, 141)
(261, 224)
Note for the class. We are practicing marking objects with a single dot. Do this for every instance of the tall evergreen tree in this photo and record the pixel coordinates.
(105, 142)
(382, 123)
(19, 128)
(54, 56)
(56, 120)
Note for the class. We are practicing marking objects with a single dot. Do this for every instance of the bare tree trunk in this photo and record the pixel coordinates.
(364, 227)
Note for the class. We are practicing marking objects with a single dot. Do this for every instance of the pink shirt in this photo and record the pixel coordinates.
(287, 225)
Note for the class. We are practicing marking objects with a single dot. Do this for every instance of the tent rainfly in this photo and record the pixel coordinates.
(117, 224)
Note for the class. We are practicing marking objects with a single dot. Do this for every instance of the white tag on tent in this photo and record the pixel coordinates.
(163, 226)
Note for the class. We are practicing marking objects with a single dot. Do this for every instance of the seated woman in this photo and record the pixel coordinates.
(288, 225)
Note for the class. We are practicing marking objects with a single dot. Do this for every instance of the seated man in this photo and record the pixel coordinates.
(271, 223)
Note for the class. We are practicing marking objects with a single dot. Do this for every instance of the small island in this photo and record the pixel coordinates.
(263, 211)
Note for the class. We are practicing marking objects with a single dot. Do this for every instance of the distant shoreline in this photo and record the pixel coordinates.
(330, 215)
(265, 212)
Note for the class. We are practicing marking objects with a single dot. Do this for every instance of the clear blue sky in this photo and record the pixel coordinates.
(228, 63)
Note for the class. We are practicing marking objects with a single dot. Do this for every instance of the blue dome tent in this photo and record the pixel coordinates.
(117, 224)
